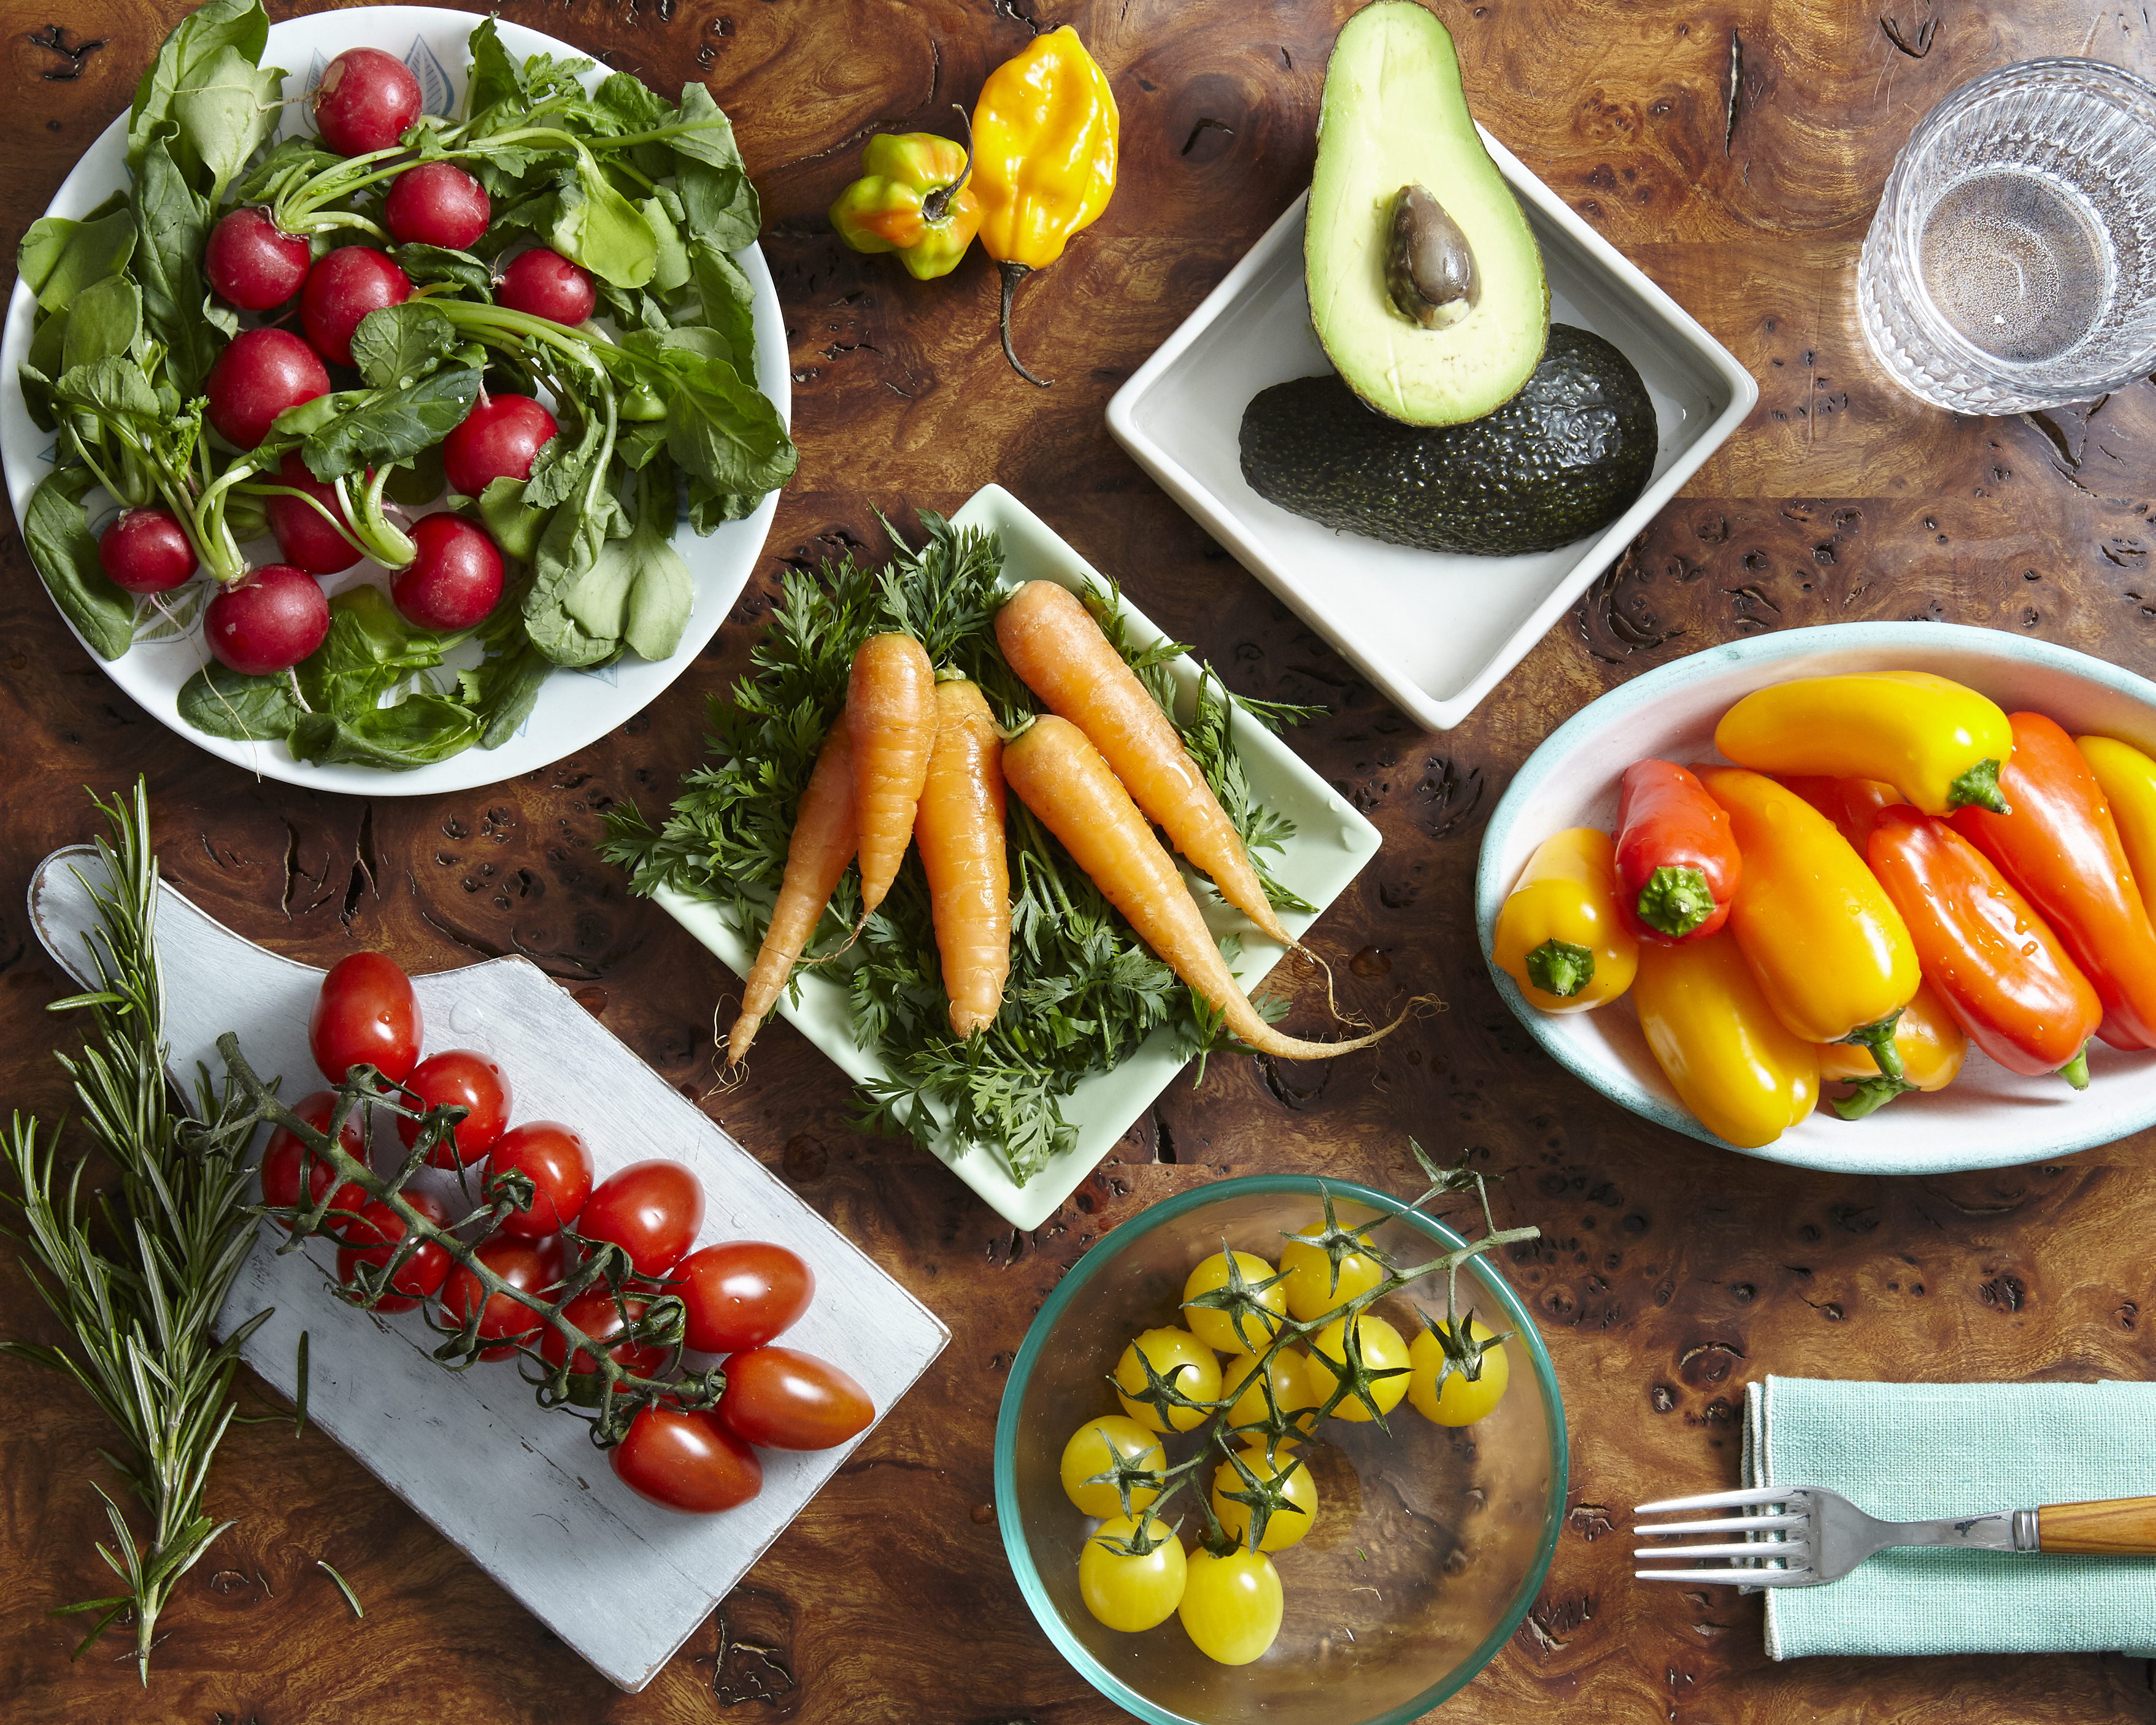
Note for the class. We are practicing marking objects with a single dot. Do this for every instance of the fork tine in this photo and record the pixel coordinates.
(1722, 1500)
(1731, 1578)
(1728, 1524)
(1742, 1549)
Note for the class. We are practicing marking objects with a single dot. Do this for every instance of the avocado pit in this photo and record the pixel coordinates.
(1429, 267)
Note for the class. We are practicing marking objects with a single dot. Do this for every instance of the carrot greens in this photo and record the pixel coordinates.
(1084, 990)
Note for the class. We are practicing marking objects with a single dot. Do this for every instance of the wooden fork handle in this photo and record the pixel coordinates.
(2118, 1527)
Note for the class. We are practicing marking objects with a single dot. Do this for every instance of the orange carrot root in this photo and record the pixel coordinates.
(1064, 780)
(890, 712)
(816, 856)
(959, 830)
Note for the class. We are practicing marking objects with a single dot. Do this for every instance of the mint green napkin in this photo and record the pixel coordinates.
(1924, 1451)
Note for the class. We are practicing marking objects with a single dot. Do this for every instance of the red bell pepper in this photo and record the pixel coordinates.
(1677, 865)
(2002, 973)
(2060, 847)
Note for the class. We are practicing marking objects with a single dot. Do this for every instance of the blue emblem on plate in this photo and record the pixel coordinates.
(609, 675)
(437, 94)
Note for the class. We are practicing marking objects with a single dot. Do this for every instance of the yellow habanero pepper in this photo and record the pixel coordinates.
(1941, 745)
(1044, 137)
(2128, 778)
(1730, 1060)
(1832, 954)
(1931, 1042)
(1558, 935)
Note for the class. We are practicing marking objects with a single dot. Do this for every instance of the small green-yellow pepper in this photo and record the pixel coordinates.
(912, 199)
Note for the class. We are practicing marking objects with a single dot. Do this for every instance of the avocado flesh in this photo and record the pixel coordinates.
(1565, 458)
(1394, 114)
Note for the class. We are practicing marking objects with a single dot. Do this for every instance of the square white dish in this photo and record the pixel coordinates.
(1330, 844)
(1435, 631)
(518, 1488)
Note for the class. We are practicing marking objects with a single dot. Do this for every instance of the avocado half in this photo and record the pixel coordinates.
(1436, 313)
(1565, 458)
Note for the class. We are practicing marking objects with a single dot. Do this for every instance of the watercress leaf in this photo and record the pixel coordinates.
(710, 507)
(368, 651)
(112, 387)
(281, 164)
(222, 702)
(102, 323)
(561, 465)
(418, 731)
(58, 257)
(173, 223)
(198, 41)
(702, 133)
(60, 544)
(631, 104)
(714, 185)
(515, 524)
(418, 481)
(495, 81)
(671, 270)
(226, 108)
(507, 689)
(726, 301)
(216, 312)
(391, 425)
(569, 559)
(596, 227)
(720, 429)
(433, 263)
(310, 416)
(396, 346)
(37, 385)
(660, 593)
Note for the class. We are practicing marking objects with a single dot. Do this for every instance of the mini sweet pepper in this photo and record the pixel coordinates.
(1744, 1076)
(1558, 934)
(1677, 864)
(2128, 780)
(911, 198)
(1933, 1046)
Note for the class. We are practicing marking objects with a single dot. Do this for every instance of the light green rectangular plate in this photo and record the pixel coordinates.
(1331, 843)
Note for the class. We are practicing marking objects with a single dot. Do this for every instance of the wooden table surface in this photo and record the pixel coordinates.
(1670, 1275)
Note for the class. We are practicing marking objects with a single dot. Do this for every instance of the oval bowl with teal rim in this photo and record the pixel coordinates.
(1430, 1544)
(1989, 1117)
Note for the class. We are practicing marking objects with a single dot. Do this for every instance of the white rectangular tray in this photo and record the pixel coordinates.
(1435, 631)
(1331, 843)
(518, 1488)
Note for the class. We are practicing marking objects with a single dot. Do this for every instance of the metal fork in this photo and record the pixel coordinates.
(1822, 1536)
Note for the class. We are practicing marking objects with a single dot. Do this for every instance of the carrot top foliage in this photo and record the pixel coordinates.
(1083, 991)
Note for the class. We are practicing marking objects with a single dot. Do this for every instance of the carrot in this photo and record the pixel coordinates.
(816, 856)
(1051, 640)
(1063, 778)
(890, 712)
(960, 831)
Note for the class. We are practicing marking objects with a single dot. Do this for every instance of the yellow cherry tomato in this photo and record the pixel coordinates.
(1167, 1349)
(1459, 1402)
(1283, 1526)
(1091, 1451)
(1311, 1289)
(1381, 1349)
(1214, 1327)
(1128, 1593)
(1231, 1606)
(1289, 1372)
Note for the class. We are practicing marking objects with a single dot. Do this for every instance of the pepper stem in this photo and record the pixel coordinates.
(1879, 1038)
(1558, 968)
(937, 205)
(1675, 901)
(2076, 1071)
(1869, 1094)
(1979, 788)
(1012, 274)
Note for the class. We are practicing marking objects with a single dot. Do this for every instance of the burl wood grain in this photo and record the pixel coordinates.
(1672, 1274)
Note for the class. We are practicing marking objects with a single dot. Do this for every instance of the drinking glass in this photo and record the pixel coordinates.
(2012, 262)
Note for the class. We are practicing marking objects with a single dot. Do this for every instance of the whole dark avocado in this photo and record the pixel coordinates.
(1563, 458)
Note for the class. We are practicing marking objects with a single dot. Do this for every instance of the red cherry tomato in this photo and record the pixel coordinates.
(596, 1313)
(472, 1081)
(742, 1294)
(686, 1462)
(373, 1240)
(782, 1398)
(533, 1266)
(560, 1164)
(650, 1209)
(282, 1160)
(365, 1013)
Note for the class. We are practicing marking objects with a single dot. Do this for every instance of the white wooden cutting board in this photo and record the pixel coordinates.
(519, 1489)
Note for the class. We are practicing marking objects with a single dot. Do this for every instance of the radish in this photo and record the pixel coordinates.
(257, 378)
(544, 283)
(341, 289)
(500, 438)
(251, 263)
(267, 621)
(307, 541)
(147, 551)
(367, 101)
(436, 203)
(454, 581)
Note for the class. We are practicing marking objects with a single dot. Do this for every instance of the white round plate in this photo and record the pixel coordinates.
(575, 708)
(1989, 1117)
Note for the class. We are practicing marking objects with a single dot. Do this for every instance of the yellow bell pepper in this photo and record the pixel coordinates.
(2128, 780)
(1931, 1042)
(1941, 745)
(1730, 1058)
(1832, 954)
(1044, 139)
(1558, 935)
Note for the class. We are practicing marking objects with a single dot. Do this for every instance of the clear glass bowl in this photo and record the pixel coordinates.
(1430, 1544)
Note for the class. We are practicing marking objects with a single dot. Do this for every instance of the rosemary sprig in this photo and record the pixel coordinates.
(136, 1275)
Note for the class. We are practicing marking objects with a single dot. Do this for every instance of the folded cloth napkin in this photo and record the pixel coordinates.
(1907, 1452)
